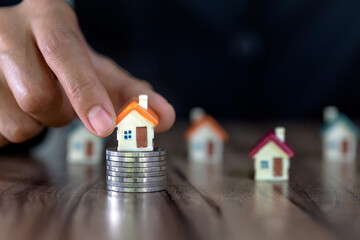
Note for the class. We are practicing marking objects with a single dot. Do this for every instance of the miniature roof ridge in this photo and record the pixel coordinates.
(133, 104)
(270, 136)
(207, 119)
(347, 120)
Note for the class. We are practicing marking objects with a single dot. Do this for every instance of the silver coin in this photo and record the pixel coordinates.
(135, 165)
(135, 174)
(136, 179)
(135, 190)
(156, 152)
(136, 185)
(135, 159)
(143, 170)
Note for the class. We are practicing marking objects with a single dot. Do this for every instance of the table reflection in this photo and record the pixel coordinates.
(129, 212)
(343, 173)
(205, 173)
(83, 174)
(271, 207)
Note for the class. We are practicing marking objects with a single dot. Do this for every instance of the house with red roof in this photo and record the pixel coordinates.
(205, 137)
(135, 125)
(271, 156)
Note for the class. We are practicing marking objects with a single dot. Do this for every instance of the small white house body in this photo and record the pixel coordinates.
(135, 127)
(339, 143)
(135, 133)
(205, 138)
(339, 136)
(205, 146)
(83, 147)
(271, 157)
(271, 163)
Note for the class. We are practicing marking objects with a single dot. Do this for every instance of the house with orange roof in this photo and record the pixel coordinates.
(205, 137)
(135, 125)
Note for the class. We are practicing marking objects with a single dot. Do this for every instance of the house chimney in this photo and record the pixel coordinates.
(143, 100)
(196, 114)
(330, 114)
(280, 133)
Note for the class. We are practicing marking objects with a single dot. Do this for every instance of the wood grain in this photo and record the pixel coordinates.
(48, 199)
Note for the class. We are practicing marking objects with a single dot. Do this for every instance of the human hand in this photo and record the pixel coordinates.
(48, 73)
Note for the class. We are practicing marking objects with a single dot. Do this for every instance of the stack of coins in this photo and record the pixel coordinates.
(135, 171)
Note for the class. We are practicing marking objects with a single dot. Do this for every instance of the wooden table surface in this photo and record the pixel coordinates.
(44, 198)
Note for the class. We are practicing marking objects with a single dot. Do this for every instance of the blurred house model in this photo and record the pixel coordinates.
(83, 146)
(205, 137)
(135, 125)
(339, 135)
(272, 156)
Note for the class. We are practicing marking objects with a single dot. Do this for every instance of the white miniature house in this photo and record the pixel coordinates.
(135, 125)
(205, 138)
(339, 136)
(272, 156)
(83, 146)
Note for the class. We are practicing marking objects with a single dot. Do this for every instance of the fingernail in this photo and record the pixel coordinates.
(100, 120)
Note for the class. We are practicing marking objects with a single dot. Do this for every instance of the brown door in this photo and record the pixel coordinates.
(278, 167)
(141, 137)
(89, 148)
(345, 146)
(210, 148)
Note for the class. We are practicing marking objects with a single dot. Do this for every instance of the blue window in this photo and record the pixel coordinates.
(264, 164)
(78, 145)
(198, 146)
(332, 144)
(127, 134)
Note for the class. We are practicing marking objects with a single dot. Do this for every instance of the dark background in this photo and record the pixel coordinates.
(255, 59)
(238, 59)
(245, 59)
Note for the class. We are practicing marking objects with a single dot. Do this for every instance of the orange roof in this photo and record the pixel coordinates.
(212, 123)
(133, 104)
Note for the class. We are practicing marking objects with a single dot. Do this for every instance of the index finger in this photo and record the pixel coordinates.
(66, 54)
